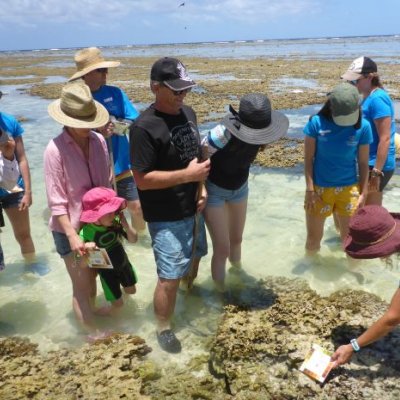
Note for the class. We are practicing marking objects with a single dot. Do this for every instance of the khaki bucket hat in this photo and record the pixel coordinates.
(77, 109)
(88, 60)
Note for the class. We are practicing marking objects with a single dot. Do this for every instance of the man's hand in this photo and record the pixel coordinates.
(198, 171)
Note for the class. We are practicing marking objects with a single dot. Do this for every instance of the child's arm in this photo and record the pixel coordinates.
(215, 139)
(130, 232)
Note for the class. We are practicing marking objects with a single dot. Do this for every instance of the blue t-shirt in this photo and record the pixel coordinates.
(336, 150)
(379, 105)
(117, 104)
(13, 128)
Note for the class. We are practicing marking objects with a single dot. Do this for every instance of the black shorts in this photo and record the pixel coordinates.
(123, 273)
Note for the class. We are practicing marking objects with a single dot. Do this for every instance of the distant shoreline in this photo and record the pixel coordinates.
(220, 41)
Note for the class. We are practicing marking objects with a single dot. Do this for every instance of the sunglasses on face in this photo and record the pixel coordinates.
(102, 70)
(177, 92)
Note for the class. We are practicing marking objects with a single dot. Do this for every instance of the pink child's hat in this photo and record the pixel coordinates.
(98, 202)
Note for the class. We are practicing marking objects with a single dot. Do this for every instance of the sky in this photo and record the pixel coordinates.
(33, 24)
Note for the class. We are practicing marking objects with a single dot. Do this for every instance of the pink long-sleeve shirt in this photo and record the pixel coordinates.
(68, 175)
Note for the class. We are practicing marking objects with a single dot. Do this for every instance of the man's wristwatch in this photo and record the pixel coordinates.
(374, 173)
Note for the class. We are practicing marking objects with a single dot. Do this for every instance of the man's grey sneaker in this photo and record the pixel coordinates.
(169, 342)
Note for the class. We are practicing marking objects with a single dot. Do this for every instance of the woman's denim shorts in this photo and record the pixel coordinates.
(217, 196)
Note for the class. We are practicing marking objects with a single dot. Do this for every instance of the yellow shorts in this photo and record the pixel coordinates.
(342, 200)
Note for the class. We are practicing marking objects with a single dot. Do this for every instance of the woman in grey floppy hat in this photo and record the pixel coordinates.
(233, 146)
(378, 109)
(336, 146)
(75, 161)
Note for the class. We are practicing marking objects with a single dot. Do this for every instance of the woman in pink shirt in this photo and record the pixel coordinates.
(74, 162)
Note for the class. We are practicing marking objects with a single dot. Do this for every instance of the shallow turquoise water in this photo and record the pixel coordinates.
(40, 307)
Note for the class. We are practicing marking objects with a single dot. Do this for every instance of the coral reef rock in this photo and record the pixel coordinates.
(258, 350)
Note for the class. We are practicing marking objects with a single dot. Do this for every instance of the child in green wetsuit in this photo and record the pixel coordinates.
(104, 226)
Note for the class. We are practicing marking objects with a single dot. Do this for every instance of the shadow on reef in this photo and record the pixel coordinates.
(254, 354)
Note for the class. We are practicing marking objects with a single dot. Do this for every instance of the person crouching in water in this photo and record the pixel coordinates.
(104, 226)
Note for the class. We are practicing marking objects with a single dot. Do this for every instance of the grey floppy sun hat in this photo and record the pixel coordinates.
(256, 122)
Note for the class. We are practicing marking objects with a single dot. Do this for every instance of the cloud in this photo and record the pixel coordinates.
(105, 13)
(254, 10)
(33, 12)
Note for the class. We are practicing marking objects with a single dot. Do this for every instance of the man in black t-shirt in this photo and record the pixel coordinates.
(165, 158)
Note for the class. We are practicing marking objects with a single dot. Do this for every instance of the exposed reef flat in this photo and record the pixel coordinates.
(263, 336)
(289, 83)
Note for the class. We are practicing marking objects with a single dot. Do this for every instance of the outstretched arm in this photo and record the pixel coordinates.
(378, 329)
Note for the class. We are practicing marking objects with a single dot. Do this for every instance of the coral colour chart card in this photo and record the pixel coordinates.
(317, 363)
(98, 258)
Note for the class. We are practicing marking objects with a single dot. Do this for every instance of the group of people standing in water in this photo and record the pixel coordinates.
(176, 182)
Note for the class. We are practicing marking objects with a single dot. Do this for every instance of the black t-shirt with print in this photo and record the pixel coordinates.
(164, 142)
(230, 166)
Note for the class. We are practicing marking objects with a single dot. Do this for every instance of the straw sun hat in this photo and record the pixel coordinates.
(77, 109)
(256, 122)
(88, 60)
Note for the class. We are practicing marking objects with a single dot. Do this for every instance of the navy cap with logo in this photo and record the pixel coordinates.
(359, 67)
(172, 73)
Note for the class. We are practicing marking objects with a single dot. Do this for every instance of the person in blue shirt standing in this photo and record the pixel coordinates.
(336, 143)
(378, 109)
(93, 69)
